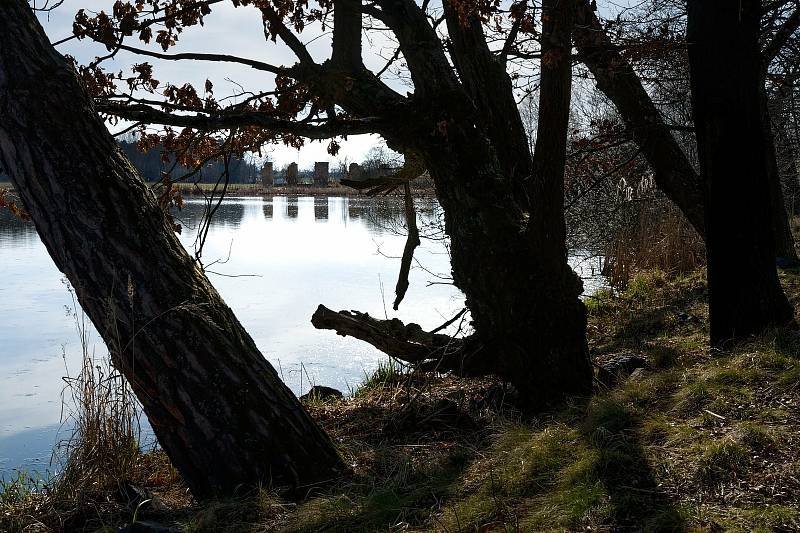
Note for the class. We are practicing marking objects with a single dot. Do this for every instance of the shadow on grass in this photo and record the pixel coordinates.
(632, 323)
(637, 504)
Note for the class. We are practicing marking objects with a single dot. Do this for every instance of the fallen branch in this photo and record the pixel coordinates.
(407, 342)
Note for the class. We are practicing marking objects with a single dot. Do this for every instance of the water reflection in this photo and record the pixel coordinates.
(320, 209)
(12, 228)
(274, 260)
(292, 207)
(278, 258)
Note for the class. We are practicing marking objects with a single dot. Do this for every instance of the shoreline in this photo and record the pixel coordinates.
(254, 189)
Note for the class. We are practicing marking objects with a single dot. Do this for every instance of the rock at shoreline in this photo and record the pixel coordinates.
(322, 393)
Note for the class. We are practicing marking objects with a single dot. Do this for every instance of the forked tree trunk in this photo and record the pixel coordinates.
(530, 326)
(745, 295)
(219, 410)
(508, 249)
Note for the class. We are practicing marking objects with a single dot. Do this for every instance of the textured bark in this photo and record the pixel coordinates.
(489, 87)
(745, 296)
(218, 408)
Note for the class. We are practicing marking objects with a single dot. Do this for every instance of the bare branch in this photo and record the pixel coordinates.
(228, 120)
(771, 49)
(258, 65)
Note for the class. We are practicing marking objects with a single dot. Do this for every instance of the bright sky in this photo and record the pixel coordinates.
(236, 31)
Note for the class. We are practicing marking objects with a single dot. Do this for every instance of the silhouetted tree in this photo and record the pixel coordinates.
(745, 295)
(218, 408)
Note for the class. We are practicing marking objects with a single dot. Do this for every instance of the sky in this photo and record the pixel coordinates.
(239, 31)
(236, 31)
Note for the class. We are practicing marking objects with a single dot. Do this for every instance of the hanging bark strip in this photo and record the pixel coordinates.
(408, 252)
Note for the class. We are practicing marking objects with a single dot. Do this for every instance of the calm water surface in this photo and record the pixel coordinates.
(272, 259)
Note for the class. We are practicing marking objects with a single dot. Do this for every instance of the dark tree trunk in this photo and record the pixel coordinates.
(218, 408)
(530, 325)
(745, 295)
(784, 241)
(508, 248)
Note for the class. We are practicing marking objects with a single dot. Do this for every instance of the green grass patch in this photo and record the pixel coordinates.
(388, 373)
(720, 461)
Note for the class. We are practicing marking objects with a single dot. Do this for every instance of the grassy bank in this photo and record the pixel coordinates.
(696, 441)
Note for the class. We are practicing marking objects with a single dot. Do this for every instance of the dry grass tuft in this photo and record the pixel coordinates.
(660, 239)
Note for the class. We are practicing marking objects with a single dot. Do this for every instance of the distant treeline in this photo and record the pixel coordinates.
(151, 166)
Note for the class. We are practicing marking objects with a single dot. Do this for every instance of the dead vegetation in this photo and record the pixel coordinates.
(696, 440)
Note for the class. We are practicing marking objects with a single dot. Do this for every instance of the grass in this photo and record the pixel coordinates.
(386, 375)
(700, 442)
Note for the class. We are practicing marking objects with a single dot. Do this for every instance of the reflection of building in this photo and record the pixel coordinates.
(320, 209)
(291, 208)
(291, 174)
(321, 174)
(267, 208)
(266, 174)
(354, 210)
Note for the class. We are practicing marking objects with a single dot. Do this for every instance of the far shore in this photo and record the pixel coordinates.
(256, 189)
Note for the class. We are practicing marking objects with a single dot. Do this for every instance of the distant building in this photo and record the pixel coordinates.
(291, 174)
(321, 174)
(355, 172)
(267, 179)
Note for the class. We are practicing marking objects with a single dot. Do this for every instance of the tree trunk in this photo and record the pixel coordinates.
(784, 241)
(218, 408)
(530, 325)
(508, 249)
(745, 295)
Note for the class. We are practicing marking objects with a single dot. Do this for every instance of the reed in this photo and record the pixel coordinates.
(659, 238)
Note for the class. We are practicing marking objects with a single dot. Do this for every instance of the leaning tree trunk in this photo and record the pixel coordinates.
(745, 295)
(615, 77)
(218, 408)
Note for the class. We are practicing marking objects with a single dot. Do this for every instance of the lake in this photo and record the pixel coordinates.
(273, 259)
